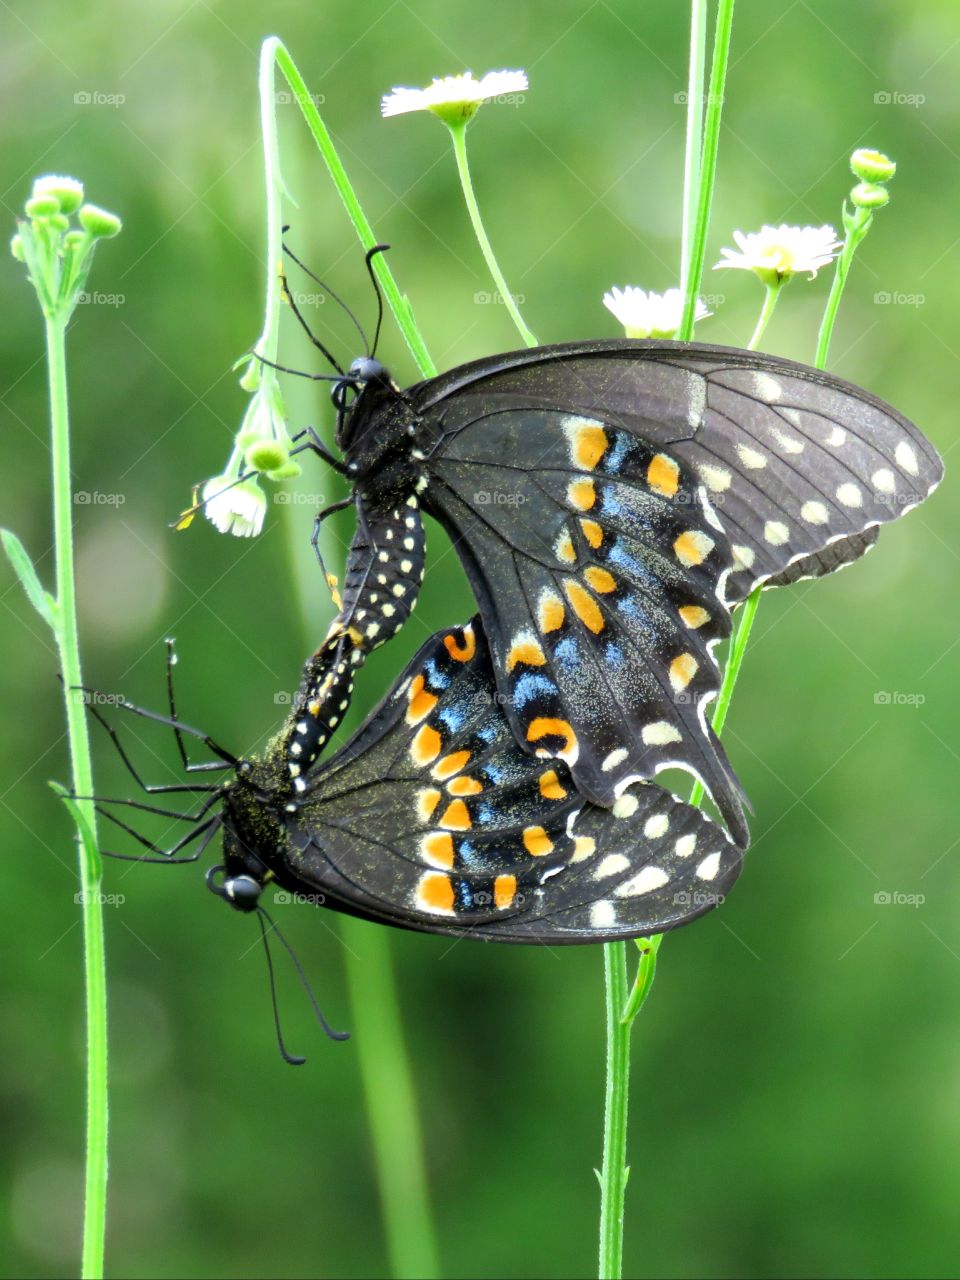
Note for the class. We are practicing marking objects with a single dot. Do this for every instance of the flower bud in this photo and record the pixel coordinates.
(98, 222)
(872, 166)
(866, 195)
(42, 206)
(68, 192)
(59, 222)
(16, 248)
(265, 455)
(288, 471)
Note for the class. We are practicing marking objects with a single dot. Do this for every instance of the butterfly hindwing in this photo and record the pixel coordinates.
(433, 818)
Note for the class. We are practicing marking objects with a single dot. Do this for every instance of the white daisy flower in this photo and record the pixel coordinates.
(454, 98)
(235, 508)
(649, 315)
(777, 253)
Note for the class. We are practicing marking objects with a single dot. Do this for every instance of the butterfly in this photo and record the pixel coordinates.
(611, 502)
(433, 818)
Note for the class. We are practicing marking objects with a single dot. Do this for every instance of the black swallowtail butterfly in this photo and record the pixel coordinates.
(611, 501)
(433, 818)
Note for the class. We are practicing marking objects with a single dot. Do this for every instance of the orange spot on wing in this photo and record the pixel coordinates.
(425, 745)
(692, 547)
(592, 532)
(427, 801)
(588, 444)
(600, 580)
(421, 702)
(504, 891)
(461, 652)
(465, 787)
(693, 616)
(456, 816)
(582, 494)
(682, 670)
(549, 727)
(438, 847)
(436, 892)
(536, 842)
(584, 606)
(550, 787)
(663, 475)
(450, 764)
(526, 651)
(551, 612)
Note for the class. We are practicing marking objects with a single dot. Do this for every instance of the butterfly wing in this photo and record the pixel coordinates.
(683, 475)
(433, 818)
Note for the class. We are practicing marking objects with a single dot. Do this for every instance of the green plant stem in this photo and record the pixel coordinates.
(613, 1171)
(708, 164)
(274, 50)
(770, 299)
(391, 1101)
(458, 133)
(694, 134)
(95, 1182)
(856, 226)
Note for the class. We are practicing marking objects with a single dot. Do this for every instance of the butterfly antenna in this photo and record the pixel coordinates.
(262, 915)
(371, 254)
(293, 1059)
(326, 288)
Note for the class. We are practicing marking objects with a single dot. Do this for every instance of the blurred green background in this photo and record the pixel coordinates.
(796, 1085)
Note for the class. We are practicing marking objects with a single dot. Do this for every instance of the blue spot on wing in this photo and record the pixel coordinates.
(567, 652)
(616, 456)
(529, 686)
(438, 679)
(624, 560)
(452, 716)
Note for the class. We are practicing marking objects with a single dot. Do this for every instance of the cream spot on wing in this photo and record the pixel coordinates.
(907, 458)
(814, 513)
(884, 481)
(611, 865)
(603, 915)
(752, 459)
(743, 557)
(625, 806)
(850, 495)
(685, 846)
(583, 847)
(709, 867)
(614, 758)
(836, 437)
(717, 479)
(776, 533)
(789, 444)
(656, 826)
(645, 881)
(659, 733)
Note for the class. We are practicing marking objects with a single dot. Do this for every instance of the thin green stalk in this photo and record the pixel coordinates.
(614, 1171)
(694, 134)
(646, 972)
(95, 986)
(708, 165)
(274, 50)
(856, 225)
(770, 299)
(458, 132)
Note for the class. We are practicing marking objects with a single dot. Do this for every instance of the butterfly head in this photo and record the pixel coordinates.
(375, 399)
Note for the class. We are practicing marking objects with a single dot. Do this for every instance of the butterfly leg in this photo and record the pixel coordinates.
(207, 830)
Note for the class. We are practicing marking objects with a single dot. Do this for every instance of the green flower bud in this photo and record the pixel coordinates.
(68, 192)
(289, 471)
(59, 222)
(872, 166)
(866, 195)
(42, 206)
(266, 455)
(16, 248)
(98, 222)
(74, 238)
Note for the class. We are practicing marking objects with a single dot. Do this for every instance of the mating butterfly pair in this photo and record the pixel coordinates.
(611, 502)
